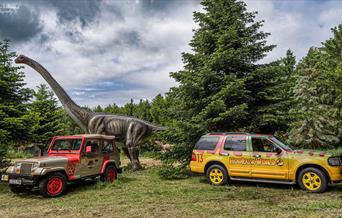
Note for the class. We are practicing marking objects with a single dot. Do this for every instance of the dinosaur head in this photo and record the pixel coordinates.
(21, 59)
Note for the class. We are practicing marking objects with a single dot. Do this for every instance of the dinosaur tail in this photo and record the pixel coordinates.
(159, 128)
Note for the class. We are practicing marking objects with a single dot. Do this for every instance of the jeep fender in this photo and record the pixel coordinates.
(45, 171)
(106, 163)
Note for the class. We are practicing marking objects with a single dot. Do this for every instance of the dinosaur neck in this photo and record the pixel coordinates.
(79, 115)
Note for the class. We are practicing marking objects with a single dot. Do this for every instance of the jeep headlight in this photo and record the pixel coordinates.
(335, 161)
(35, 165)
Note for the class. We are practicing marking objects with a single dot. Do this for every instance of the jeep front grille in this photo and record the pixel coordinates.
(25, 169)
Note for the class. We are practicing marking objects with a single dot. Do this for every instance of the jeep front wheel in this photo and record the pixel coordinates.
(53, 185)
(313, 180)
(110, 174)
(217, 174)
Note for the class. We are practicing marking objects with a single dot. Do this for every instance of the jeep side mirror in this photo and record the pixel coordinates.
(88, 149)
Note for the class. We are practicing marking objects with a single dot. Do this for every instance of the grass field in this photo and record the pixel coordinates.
(144, 194)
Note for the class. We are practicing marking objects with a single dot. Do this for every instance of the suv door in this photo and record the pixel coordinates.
(270, 162)
(236, 156)
(91, 162)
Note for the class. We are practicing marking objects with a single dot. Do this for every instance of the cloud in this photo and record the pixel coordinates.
(18, 22)
(105, 52)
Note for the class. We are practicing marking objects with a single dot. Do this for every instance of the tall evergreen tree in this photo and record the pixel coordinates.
(14, 121)
(313, 128)
(330, 79)
(48, 114)
(212, 94)
(271, 95)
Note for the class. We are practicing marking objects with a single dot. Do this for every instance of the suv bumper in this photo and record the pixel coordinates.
(15, 179)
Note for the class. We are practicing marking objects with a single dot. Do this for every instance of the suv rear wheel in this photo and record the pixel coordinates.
(53, 185)
(217, 174)
(110, 174)
(313, 180)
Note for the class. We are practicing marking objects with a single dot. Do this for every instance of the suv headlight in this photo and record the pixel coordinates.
(335, 161)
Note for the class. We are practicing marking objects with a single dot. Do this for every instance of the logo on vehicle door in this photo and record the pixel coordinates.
(257, 161)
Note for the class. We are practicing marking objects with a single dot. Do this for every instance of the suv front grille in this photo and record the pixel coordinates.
(25, 169)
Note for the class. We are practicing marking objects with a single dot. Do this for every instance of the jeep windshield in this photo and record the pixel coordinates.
(282, 144)
(66, 145)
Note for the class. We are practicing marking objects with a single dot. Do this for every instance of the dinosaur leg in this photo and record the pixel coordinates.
(132, 146)
(125, 149)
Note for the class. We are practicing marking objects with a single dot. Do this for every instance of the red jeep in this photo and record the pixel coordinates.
(69, 158)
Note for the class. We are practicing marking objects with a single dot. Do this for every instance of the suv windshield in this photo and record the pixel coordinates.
(67, 144)
(282, 144)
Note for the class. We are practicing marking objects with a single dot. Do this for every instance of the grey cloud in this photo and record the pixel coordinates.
(20, 23)
(84, 11)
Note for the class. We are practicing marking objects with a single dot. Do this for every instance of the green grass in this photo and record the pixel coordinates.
(144, 194)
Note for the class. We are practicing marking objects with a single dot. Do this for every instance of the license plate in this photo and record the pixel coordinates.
(15, 181)
(4, 178)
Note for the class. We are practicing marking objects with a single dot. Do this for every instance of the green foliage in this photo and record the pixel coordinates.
(13, 98)
(48, 115)
(15, 122)
(318, 95)
(271, 95)
(212, 94)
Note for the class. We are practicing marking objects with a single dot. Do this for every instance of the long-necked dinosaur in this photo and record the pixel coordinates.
(129, 130)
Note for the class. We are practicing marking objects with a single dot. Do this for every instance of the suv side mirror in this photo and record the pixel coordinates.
(88, 149)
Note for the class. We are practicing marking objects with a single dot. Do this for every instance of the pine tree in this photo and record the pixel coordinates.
(330, 79)
(14, 120)
(48, 114)
(312, 128)
(272, 95)
(212, 95)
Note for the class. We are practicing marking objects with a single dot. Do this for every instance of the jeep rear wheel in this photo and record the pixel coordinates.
(110, 174)
(217, 174)
(53, 185)
(313, 180)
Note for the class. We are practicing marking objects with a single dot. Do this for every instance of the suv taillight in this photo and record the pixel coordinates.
(193, 157)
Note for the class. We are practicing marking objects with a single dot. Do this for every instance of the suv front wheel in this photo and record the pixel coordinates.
(53, 185)
(217, 174)
(313, 180)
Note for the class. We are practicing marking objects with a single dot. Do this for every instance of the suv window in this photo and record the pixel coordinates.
(263, 145)
(207, 143)
(235, 143)
(107, 147)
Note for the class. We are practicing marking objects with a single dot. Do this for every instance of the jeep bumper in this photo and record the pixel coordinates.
(15, 179)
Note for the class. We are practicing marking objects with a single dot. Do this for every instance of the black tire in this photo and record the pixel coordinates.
(217, 174)
(53, 191)
(18, 189)
(106, 176)
(313, 176)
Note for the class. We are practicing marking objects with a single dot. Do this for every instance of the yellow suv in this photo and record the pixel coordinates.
(263, 158)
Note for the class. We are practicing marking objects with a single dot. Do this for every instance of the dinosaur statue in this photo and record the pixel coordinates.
(128, 130)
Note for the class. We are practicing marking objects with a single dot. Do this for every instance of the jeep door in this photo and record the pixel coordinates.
(236, 155)
(91, 158)
(269, 161)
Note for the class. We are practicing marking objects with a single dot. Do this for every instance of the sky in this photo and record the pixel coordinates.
(109, 51)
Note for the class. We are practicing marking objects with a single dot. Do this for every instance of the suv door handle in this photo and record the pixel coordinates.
(224, 154)
(256, 155)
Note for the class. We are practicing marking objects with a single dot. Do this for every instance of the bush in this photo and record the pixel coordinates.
(173, 172)
(175, 162)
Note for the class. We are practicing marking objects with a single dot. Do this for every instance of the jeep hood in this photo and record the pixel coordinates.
(45, 159)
